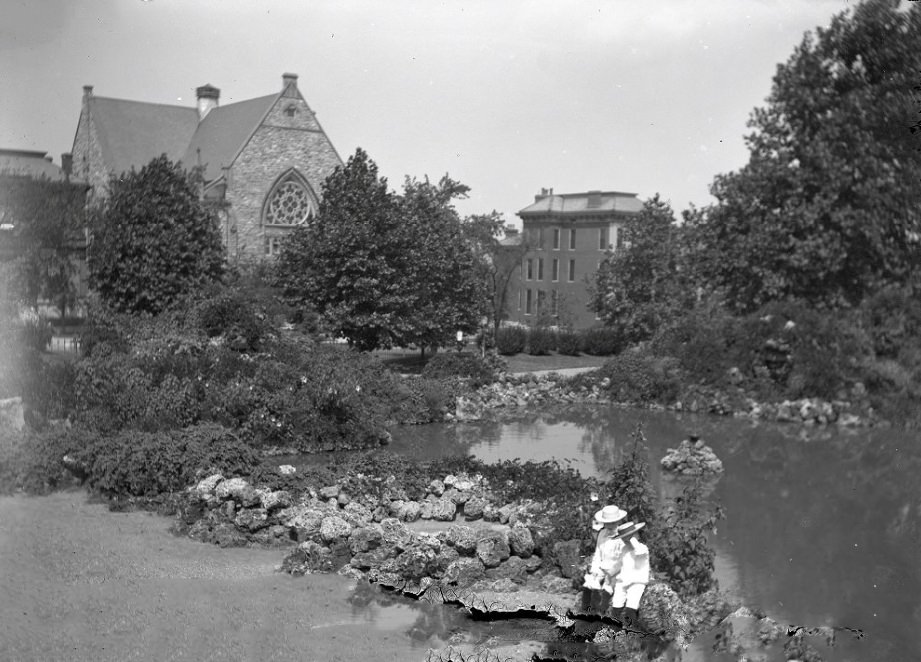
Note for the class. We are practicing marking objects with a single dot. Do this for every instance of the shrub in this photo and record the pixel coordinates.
(511, 340)
(569, 343)
(636, 377)
(601, 341)
(147, 464)
(36, 332)
(229, 314)
(34, 462)
(460, 364)
(541, 340)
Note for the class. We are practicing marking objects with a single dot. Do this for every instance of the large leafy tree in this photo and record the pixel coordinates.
(153, 239)
(439, 265)
(496, 261)
(381, 269)
(44, 223)
(828, 207)
(345, 264)
(641, 285)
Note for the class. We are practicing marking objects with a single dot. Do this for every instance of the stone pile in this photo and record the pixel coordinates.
(692, 458)
(512, 392)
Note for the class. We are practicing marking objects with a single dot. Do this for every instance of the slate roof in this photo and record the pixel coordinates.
(29, 163)
(131, 133)
(577, 204)
(223, 132)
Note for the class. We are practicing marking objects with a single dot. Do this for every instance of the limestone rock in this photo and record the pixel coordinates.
(206, 486)
(395, 534)
(464, 571)
(410, 511)
(365, 538)
(330, 492)
(274, 500)
(492, 548)
(463, 539)
(514, 568)
(520, 541)
(473, 508)
(252, 519)
(692, 458)
(237, 489)
(568, 557)
(333, 527)
(505, 512)
(287, 469)
(436, 487)
(444, 510)
(356, 514)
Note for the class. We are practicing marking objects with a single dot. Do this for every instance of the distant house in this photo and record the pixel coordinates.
(41, 209)
(567, 236)
(264, 159)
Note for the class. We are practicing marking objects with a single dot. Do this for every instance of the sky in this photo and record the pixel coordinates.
(508, 97)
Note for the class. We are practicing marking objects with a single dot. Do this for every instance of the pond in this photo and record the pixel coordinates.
(822, 524)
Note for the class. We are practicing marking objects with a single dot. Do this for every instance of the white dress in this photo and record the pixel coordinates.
(633, 576)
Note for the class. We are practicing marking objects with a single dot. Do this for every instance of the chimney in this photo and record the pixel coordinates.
(510, 231)
(87, 91)
(544, 192)
(288, 79)
(67, 163)
(208, 96)
(594, 199)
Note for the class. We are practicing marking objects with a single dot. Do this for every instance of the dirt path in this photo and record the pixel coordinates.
(78, 582)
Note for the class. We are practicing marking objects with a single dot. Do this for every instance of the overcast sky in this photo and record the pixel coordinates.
(506, 96)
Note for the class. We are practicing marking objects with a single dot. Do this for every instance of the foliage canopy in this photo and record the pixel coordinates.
(153, 239)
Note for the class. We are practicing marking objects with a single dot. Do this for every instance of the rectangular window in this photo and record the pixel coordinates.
(519, 298)
(527, 303)
(572, 270)
(272, 246)
(619, 242)
(556, 239)
(530, 269)
(540, 238)
(540, 268)
(556, 270)
(602, 239)
(572, 239)
(555, 302)
(541, 301)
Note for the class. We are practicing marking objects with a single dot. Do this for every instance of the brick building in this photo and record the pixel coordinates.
(264, 159)
(567, 236)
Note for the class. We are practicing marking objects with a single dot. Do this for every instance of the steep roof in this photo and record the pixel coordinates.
(131, 133)
(223, 132)
(29, 163)
(581, 204)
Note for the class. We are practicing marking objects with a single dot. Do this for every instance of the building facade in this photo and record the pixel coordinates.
(263, 160)
(566, 236)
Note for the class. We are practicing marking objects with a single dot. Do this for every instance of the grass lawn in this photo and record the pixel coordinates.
(409, 361)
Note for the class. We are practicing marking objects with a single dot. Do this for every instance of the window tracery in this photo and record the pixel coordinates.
(289, 203)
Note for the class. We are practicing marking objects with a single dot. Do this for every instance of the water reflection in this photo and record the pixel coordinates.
(822, 524)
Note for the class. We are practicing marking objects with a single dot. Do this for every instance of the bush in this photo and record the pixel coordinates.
(636, 377)
(460, 364)
(36, 332)
(541, 341)
(229, 314)
(601, 341)
(34, 462)
(147, 464)
(511, 340)
(569, 343)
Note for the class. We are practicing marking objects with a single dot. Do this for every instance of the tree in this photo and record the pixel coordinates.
(440, 266)
(496, 261)
(153, 239)
(344, 263)
(47, 219)
(384, 270)
(640, 286)
(828, 207)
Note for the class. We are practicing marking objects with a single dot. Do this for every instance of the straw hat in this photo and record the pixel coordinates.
(627, 529)
(607, 515)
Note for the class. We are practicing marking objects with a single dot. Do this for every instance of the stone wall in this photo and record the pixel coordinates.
(282, 142)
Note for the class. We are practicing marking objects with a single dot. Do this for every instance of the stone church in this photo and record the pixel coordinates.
(264, 160)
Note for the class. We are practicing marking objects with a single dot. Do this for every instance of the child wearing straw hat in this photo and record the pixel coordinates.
(606, 562)
(633, 575)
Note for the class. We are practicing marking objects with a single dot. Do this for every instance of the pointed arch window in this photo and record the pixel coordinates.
(290, 202)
